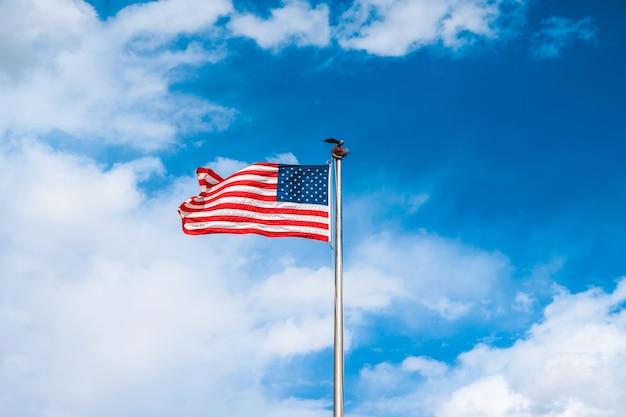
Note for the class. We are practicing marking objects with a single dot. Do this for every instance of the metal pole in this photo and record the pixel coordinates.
(338, 153)
(338, 386)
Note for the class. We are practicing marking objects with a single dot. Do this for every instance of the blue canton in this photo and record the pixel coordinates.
(307, 184)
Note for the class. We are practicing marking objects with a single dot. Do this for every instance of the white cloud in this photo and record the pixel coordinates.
(398, 27)
(371, 288)
(557, 33)
(225, 167)
(284, 158)
(296, 23)
(68, 73)
(440, 275)
(476, 18)
(32, 31)
(301, 300)
(169, 18)
(570, 364)
(426, 366)
(472, 401)
(523, 301)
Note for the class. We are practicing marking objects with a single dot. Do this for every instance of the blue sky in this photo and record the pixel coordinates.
(483, 220)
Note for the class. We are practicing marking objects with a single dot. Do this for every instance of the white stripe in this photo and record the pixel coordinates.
(241, 189)
(257, 203)
(256, 178)
(267, 228)
(208, 178)
(261, 216)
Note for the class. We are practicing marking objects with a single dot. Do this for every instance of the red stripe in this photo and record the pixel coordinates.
(240, 194)
(257, 209)
(256, 184)
(257, 172)
(210, 173)
(196, 232)
(243, 219)
(205, 183)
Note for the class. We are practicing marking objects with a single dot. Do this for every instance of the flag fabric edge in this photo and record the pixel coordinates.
(235, 202)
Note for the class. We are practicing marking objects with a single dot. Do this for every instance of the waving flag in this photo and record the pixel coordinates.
(268, 199)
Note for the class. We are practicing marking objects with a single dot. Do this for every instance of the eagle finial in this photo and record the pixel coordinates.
(337, 152)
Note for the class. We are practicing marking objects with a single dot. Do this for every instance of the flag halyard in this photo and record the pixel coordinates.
(268, 199)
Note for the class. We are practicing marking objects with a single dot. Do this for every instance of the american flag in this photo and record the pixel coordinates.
(268, 199)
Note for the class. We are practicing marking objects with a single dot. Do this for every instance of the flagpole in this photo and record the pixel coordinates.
(338, 153)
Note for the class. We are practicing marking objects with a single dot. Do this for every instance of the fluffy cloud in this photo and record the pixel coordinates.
(68, 73)
(296, 23)
(169, 18)
(570, 364)
(381, 27)
(32, 31)
(398, 27)
(442, 276)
